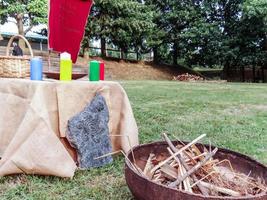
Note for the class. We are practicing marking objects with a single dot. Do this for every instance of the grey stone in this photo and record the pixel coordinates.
(88, 133)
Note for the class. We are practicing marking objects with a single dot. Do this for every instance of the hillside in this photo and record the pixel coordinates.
(132, 70)
(118, 69)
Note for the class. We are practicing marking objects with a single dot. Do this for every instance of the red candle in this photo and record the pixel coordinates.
(102, 71)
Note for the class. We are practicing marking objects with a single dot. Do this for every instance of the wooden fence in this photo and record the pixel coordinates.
(117, 53)
(248, 74)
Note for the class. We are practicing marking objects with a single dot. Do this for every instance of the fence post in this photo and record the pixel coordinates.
(243, 73)
(254, 74)
(262, 73)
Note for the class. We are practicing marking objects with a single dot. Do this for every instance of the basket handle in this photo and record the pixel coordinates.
(18, 36)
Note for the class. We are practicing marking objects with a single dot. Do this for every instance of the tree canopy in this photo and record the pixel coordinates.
(207, 33)
(26, 12)
(127, 24)
(188, 32)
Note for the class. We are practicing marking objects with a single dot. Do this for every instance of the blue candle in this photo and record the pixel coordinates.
(36, 69)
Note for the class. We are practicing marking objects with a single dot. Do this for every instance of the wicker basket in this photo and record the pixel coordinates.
(15, 66)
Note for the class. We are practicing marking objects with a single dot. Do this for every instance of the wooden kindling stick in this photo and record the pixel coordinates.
(182, 168)
(120, 151)
(194, 169)
(211, 173)
(181, 160)
(129, 142)
(108, 154)
(148, 164)
(221, 189)
(177, 153)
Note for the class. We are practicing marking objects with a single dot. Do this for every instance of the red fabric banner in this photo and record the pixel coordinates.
(67, 20)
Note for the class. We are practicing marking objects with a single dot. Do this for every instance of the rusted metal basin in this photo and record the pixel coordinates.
(144, 189)
(56, 75)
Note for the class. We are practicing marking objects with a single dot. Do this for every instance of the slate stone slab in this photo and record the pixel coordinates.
(88, 133)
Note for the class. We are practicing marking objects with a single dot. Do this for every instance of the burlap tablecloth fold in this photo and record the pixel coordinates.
(34, 117)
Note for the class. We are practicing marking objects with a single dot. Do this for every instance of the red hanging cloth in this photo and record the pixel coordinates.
(67, 20)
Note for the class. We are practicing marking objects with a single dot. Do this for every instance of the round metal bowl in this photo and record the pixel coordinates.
(144, 189)
(56, 75)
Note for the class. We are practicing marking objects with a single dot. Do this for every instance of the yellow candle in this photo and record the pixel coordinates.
(65, 67)
(65, 70)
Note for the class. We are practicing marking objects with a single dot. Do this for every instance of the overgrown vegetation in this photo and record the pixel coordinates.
(193, 33)
(232, 115)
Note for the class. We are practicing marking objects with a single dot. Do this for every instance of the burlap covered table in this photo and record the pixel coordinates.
(33, 122)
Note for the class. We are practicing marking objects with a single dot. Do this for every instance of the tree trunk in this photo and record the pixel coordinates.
(225, 71)
(262, 74)
(243, 73)
(254, 73)
(265, 47)
(265, 42)
(155, 56)
(265, 63)
(103, 47)
(137, 56)
(19, 20)
(86, 53)
(175, 53)
(124, 53)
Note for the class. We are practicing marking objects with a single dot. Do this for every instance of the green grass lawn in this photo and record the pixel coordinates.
(233, 116)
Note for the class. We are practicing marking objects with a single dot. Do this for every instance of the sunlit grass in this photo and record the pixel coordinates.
(233, 116)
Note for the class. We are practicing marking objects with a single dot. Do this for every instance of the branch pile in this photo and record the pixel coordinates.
(187, 77)
(195, 171)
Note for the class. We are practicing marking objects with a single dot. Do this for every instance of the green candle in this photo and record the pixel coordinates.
(65, 70)
(94, 68)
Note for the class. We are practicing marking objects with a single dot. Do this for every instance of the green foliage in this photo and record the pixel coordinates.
(126, 24)
(31, 12)
(193, 33)
(256, 8)
(244, 42)
(212, 33)
(172, 18)
(37, 11)
(188, 32)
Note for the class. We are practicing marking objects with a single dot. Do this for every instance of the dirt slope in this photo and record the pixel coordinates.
(116, 69)
(128, 70)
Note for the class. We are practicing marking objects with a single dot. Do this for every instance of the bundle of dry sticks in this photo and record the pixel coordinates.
(196, 171)
(187, 77)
